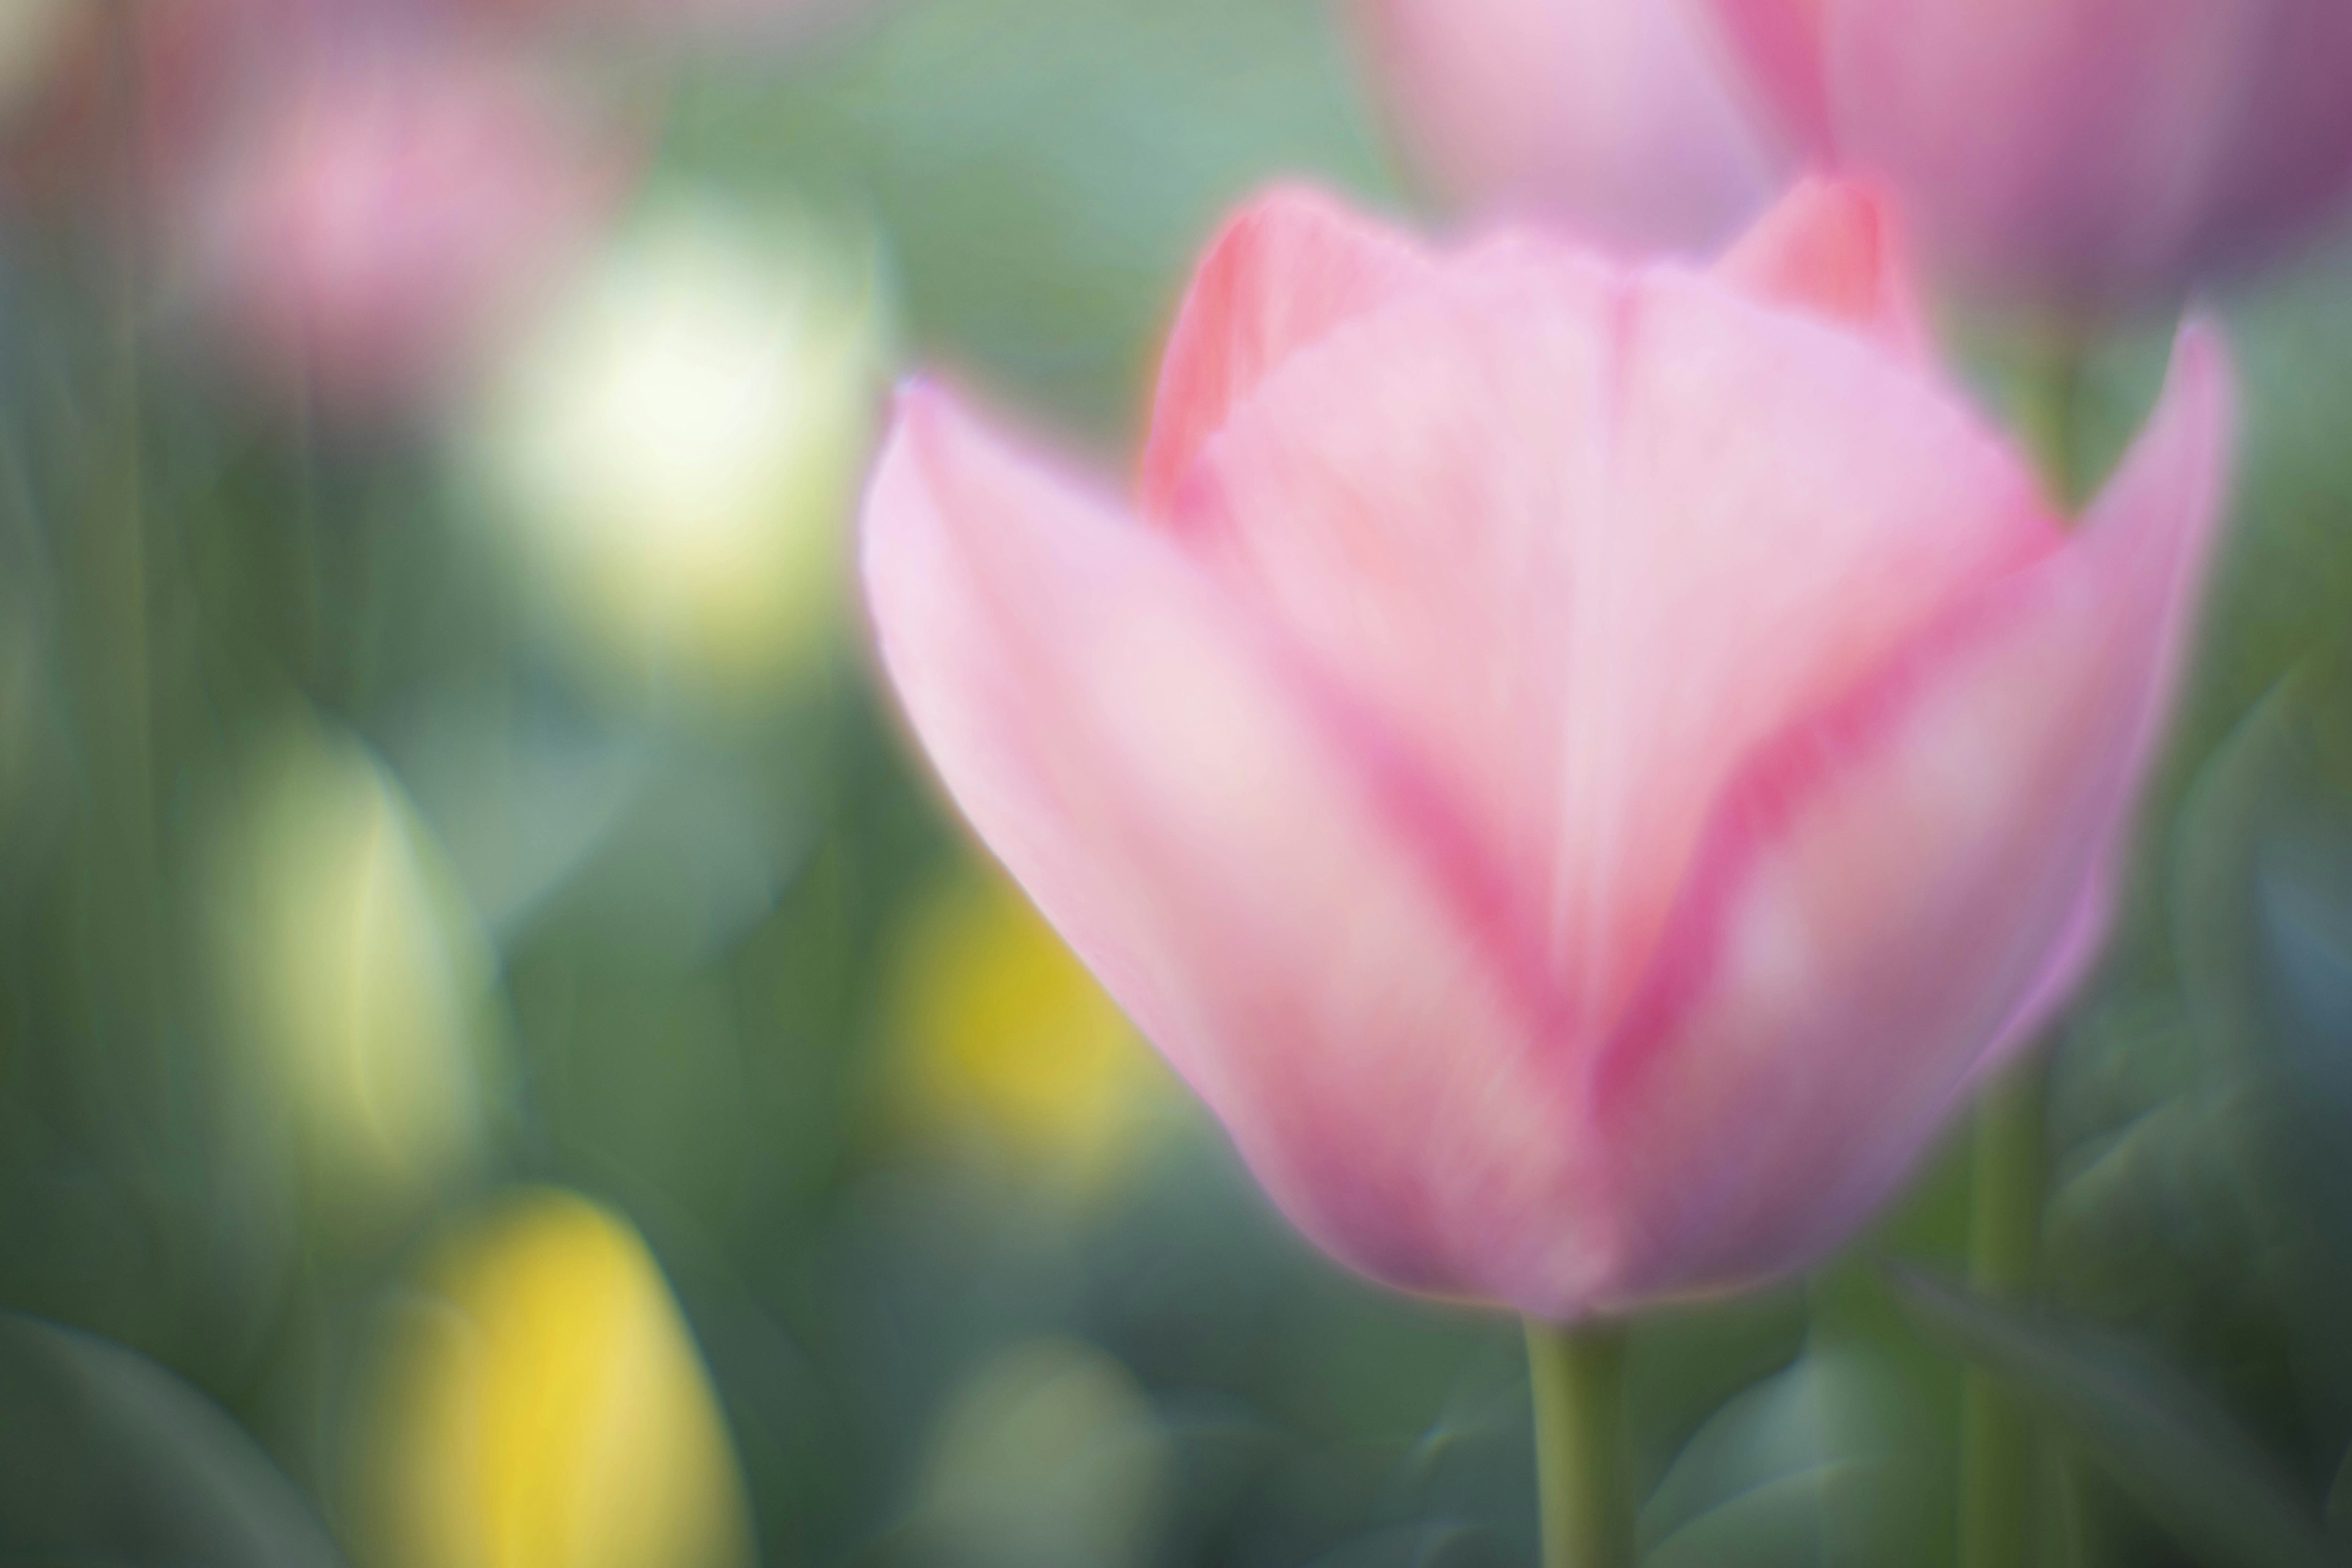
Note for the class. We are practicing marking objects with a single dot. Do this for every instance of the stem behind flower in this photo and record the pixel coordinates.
(1997, 1447)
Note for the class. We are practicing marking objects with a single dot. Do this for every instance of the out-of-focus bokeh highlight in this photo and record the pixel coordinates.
(1049, 1455)
(668, 454)
(505, 1061)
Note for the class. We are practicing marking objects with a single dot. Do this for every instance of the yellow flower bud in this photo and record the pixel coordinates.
(351, 969)
(545, 1408)
(1006, 1044)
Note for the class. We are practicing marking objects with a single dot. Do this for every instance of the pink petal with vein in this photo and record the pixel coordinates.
(1897, 891)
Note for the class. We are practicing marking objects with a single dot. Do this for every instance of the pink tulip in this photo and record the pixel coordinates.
(2074, 152)
(1616, 116)
(382, 213)
(352, 193)
(1582, 770)
(148, 89)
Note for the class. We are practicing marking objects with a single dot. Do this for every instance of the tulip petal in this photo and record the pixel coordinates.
(1897, 890)
(1288, 269)
(1833, 248)
(1615, 117)
(1242, 876)
(2070, 153)
(2290, 153)
(1581, 542)
(1782, 42)
(2065, 149)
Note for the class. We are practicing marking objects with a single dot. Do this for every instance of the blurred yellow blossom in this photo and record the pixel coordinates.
(1048, 1456)
(672, 452)
(1005, 1041)
(351, 969)
(545, 1408)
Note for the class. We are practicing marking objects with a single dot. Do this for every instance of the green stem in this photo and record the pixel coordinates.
(2049, 394)
(1997, 1455)
(1579, 1374)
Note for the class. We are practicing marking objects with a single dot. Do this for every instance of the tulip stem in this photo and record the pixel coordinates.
(1578, 1372)
(1996, 1446)
(1996, 1441)
(2046, 408)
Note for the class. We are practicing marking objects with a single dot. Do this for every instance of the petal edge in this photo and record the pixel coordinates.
(1833, 249)
(1285, 270)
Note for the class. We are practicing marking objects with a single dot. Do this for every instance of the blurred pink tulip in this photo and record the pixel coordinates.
(373, 221)
(1615, 116)
(2073, 153)
(1582, 770)
(144, 91)
(352, 193)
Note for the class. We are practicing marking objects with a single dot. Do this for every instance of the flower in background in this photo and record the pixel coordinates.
(383, 214)
(169, 78)
(1582, 770)
(1615, 116)
(672, 451)
(1047, 1457)
(2071, 152)
(352, 970)
(543, 1406)
(1004, 1040)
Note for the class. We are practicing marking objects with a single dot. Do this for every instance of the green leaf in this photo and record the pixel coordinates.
(1810, 1466)
(2175, 1454)
(2262, 929)
(106, 1456)
(2262, 838)
(1788, 1522)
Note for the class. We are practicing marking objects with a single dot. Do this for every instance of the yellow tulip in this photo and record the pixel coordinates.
(1006, 1044)
(545, 1408)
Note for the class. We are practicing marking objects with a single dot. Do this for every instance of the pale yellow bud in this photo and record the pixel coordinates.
(353, 974)
(543, 1406)
(1007, 1047)
(671, 457)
